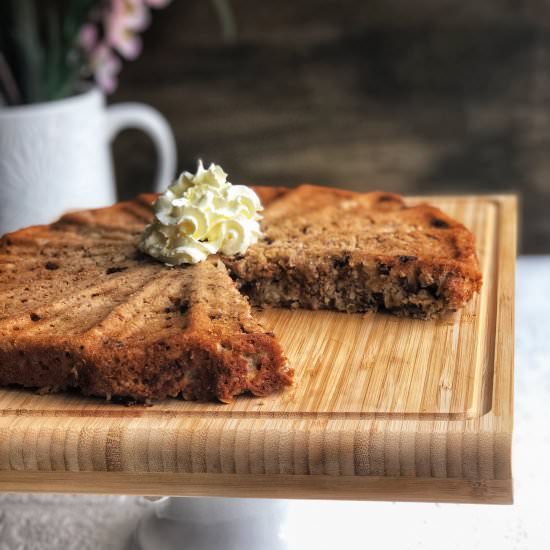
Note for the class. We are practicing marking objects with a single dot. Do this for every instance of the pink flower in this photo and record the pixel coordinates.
(132, 14)
(122, 21)
(106, 66)
(87, 37)
(126, 42)
(124, 18)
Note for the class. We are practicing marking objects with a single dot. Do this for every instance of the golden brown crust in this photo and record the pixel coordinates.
(268, 195)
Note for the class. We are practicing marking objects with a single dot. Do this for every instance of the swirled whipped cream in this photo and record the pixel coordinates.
(202, 214)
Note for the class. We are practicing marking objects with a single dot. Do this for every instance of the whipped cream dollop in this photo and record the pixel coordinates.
(202, 214)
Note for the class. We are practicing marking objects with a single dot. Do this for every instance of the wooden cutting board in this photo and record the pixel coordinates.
(382, 408)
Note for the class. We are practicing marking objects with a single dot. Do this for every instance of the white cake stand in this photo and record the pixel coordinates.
(210, 523)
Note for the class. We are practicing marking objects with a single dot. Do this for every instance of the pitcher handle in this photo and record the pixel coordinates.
(149, 120)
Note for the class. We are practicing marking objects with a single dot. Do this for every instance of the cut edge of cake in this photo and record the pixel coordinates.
(434, 270)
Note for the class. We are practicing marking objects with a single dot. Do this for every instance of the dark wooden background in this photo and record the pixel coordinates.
(431, 96)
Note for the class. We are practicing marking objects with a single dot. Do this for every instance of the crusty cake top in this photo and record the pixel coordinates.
(313, 220)
(84, 275)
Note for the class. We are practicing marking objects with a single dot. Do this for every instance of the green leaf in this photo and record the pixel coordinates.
(39, 42)
(28, 52)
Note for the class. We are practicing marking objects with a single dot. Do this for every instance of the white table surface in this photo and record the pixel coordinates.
(67, 522)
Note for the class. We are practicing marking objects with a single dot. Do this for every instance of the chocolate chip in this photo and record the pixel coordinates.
(111, 270)
(405, 259)
(35, 317)
(433, 289)
(415, 310)
(383, 269)
(167, 310)
(51, 266)
(385, 198)
(247, 288)
(408, 285)
(268, 240)
(442, 224)
(341, 263)
(183, 307)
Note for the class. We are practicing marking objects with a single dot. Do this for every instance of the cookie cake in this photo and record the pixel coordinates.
(151, 298)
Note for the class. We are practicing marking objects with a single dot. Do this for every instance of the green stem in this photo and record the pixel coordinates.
(8, 85)
(226, 19)
(53, 68)
(71, 59)
(29, 51)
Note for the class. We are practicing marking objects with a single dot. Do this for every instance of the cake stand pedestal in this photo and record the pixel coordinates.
(209, 523)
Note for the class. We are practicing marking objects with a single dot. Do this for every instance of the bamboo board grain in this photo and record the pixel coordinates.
(381, 399)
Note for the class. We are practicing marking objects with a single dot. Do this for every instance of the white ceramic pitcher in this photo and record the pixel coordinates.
(56, 157)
